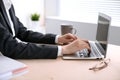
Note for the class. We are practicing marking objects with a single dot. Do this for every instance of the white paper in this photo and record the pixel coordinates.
(6, 76)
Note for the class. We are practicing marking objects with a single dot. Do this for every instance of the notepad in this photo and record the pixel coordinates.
(10, 68)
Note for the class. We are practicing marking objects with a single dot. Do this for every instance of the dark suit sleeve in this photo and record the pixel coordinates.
(34, 37)
(12, 48)
(27, 35)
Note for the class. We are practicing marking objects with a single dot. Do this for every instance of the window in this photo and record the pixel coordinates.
(87, 10)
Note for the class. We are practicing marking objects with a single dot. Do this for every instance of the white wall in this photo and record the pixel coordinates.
(84, 30)
(24, 8)
(51, 7)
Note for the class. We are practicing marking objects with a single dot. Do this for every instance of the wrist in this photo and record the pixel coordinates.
(64, 50)
(58, 40)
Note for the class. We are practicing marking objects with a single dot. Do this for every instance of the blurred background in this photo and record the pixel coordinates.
(82, 14)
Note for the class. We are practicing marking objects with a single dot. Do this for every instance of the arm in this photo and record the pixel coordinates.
(11, 48)
(29, 36)
(34, 37)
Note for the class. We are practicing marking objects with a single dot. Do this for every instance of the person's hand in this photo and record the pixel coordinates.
(75, 46)
(67, 38)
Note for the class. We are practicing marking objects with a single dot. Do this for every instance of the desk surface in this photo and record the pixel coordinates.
(58, 69)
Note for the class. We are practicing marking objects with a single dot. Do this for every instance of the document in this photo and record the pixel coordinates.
(10, 68)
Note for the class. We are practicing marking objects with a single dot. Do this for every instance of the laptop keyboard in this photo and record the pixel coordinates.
(83, 53)
(94, 52)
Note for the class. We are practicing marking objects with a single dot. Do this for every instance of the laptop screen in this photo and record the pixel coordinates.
(102, 30)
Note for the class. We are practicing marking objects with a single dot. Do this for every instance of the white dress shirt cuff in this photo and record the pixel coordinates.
(59, 51)
(59, 47)
(56, 39)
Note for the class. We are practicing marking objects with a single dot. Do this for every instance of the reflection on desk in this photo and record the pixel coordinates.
(58, 69)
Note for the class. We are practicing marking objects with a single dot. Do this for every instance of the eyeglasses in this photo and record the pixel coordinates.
(104, 63)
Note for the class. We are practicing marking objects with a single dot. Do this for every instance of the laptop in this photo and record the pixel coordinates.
(10, 68)
(99, 46)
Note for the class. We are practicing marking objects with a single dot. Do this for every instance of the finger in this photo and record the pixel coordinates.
(75, 37)
(89, 49)
(86, 41)
(72, 36)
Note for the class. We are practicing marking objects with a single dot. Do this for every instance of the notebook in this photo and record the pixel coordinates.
(98, 47)
(10, 68)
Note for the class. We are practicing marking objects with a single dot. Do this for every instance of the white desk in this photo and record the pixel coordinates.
(58, 69)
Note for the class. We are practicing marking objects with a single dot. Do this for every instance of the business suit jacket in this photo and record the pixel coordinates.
(10, 47)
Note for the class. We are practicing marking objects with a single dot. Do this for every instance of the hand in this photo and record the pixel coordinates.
(66, 38)
(75, 46)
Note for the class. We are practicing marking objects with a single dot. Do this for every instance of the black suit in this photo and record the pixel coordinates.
(10, 47)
